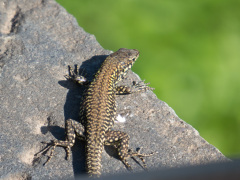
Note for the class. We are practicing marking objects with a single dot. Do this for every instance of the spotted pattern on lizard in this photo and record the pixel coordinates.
(98, 112)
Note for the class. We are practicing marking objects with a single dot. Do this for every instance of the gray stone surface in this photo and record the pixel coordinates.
(38, 39)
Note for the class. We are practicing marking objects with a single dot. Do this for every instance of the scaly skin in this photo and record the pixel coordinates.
(98, 112)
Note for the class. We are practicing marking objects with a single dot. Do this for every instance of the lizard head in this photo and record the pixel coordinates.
(124, 59)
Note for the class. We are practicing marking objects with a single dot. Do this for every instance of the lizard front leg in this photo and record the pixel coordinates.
(75, 76)
(72, 128)
(137, 87)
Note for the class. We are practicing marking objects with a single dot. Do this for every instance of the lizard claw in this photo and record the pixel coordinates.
(75, 75)
(140, 156)
(141, 86)
(44, 150)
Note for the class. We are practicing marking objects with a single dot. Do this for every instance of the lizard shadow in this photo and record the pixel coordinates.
(71, 111)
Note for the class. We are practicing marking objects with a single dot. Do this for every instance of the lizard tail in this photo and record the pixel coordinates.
(93, 159)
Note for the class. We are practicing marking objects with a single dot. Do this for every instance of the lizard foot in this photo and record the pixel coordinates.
(141, 86)
(52, 145)
(75, 76)
(140, 156)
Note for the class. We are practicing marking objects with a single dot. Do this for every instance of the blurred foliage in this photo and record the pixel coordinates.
(190, 52)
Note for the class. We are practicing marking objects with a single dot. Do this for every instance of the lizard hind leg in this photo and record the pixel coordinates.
(140, 156)
(53, 144)
(121, 141)
(72, 129)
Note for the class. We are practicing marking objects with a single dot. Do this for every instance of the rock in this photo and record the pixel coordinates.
(38, 39)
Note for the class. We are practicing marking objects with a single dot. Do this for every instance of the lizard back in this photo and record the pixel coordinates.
(99, 106)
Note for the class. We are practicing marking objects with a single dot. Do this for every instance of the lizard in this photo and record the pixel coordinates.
(98, 112)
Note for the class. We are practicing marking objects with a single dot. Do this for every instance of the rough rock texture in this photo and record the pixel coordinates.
(38, 39)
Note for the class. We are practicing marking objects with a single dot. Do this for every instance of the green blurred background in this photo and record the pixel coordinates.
(190, 52)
